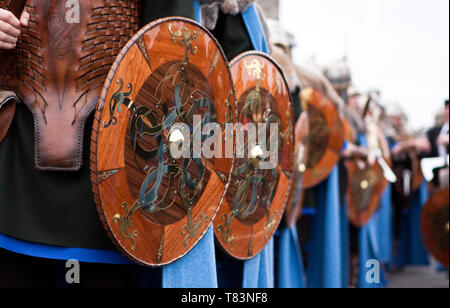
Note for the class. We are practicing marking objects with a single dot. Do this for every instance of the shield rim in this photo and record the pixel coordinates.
(314, 98)
(429, 208)
(233, 62)
(100, 107)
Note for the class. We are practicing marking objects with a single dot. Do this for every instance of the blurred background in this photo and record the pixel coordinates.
(400, 47)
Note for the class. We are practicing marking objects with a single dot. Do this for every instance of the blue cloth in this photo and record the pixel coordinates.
(198, 268)
(384, 221)
(308, 211)
(345, 146)
(369, 250)
(324, 269)
(198, 11)
(290, 268)
(345, 233)
(259, 271)
(255, 29)
(61, 253)
(418, 253)
(375, 238)
(195, 270)
(375, 242)
(410, 249)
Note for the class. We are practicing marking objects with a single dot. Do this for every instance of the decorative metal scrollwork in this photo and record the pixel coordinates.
(186, 40)
(256, 187)
(225, 229)
(181, 184)
(118, 99)
(255, 69)
(126, 223)
(193, 226)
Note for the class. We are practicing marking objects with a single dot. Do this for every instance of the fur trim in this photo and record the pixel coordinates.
(210, 15)
(210, 9)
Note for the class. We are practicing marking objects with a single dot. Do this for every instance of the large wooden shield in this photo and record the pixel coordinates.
(410, 177)
(295, 201)
(435, 226)
(417, 174)
(156, 202)
(322, 135)
(257, 197)
(366, 186)
(364, 191)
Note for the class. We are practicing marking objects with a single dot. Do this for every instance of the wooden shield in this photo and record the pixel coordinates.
(417, 174)
(364, 191)
(435, 226)
(156, 202)
(322, 135)
(409, 162)
(365, 186)
(295, 202)
(349, 135)
(257, 197)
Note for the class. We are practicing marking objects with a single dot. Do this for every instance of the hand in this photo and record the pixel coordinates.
(10, 28)
(355, 152)
(372, 158)
(423, 145)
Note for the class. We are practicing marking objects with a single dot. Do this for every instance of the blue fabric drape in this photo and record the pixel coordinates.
(410, 249)
(259, 271)
(369, 250)
(371, 246)
(384, 226)
(375, 242)
(198, 268)
(197, 11)
(345, 256)
(324, 269)
(61, 253)
(255, 29)
(290, 268)
(419, 255)
(195, 270)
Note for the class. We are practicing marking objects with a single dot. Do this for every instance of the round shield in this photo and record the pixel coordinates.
(323, 137)
(417, 174)
(261, 177)
(295, 202)
(410, 178)
(435, 226)
(349, 135)
(158, 173)
(364, 192)
(366, 184)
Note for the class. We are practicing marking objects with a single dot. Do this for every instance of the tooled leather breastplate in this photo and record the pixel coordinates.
(59, 67)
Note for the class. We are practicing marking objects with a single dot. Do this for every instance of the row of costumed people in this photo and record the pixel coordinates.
(363, 211)
(332, 227)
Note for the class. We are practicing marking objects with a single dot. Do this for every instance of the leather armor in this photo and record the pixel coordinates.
(59, 67)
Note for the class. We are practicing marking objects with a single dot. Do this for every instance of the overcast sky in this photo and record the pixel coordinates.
(398, 46)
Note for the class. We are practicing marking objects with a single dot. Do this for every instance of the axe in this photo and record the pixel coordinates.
(430, 164)
(387, 171)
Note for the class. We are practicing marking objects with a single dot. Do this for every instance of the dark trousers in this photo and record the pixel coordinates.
(19, 271)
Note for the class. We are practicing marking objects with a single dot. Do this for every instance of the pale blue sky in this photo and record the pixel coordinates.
(398, 46)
